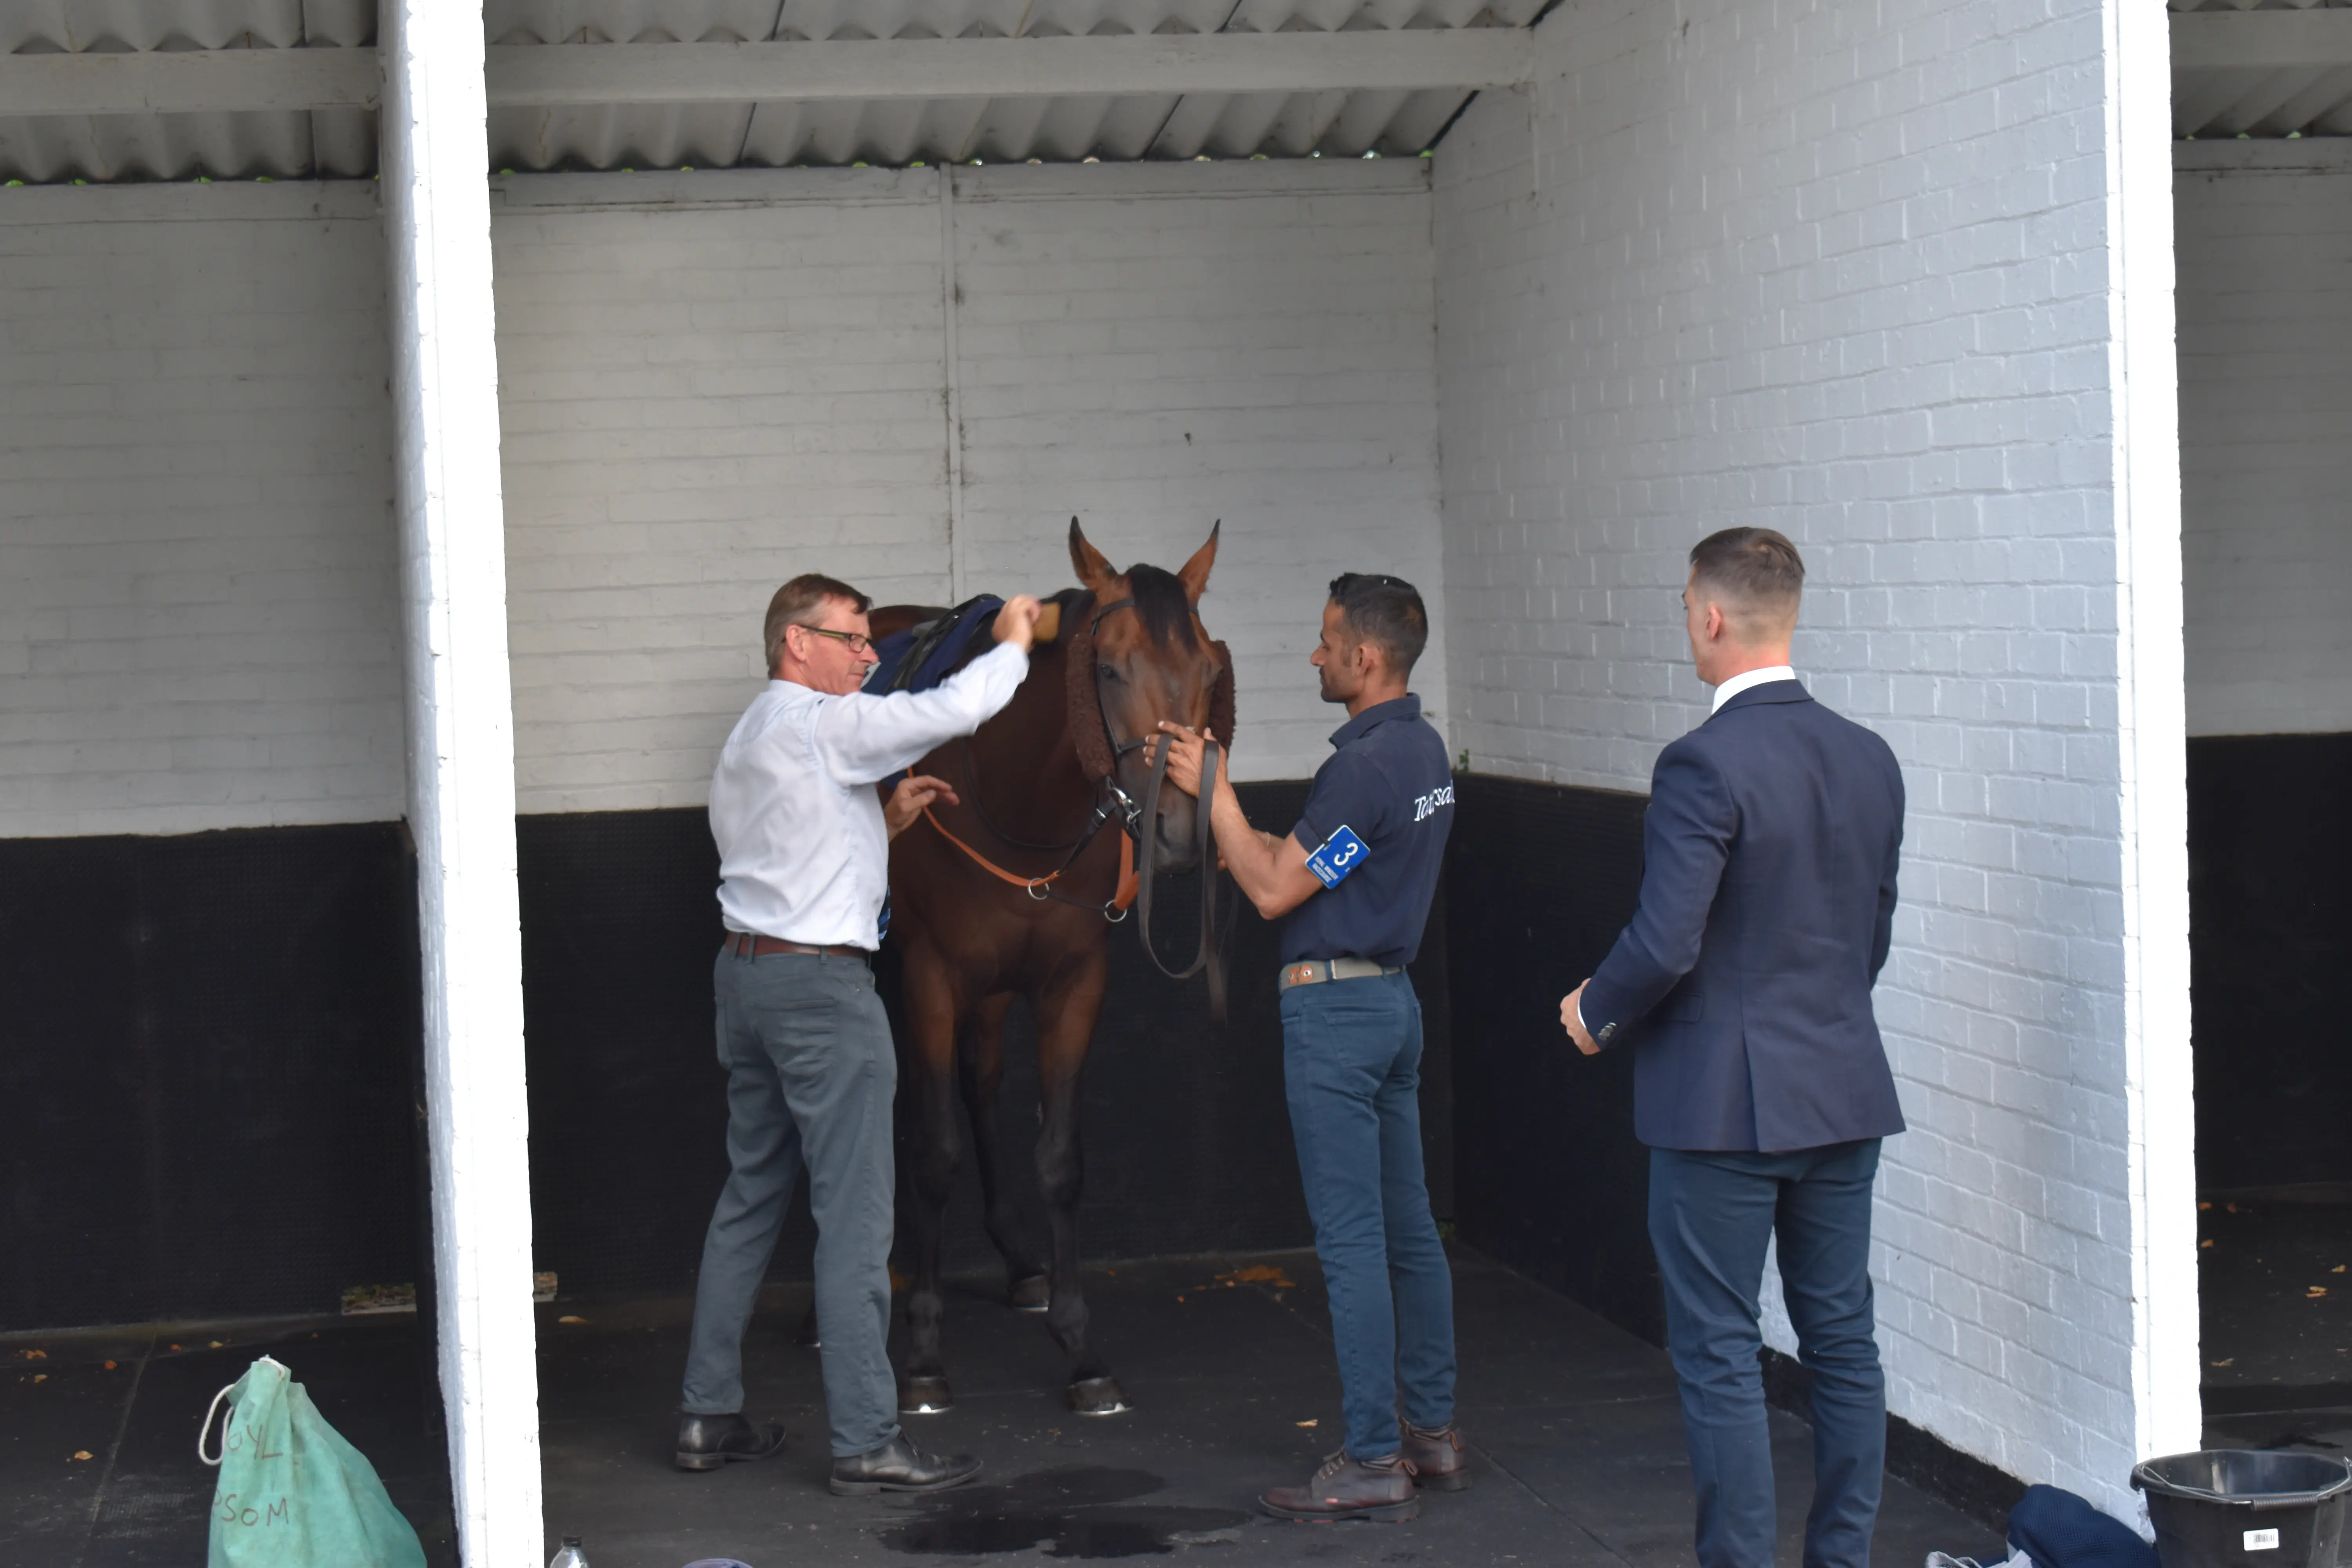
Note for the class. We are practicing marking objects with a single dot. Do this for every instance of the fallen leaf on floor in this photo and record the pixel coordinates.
(2231, 1360)
(81, 1453)
(216, 1345)
(2231, 1208)
(109, 1366)
(175, 1347)
(35, 1355)
(2204, 1205)
(2338, 1270)
(1307, 1423)
(1180, 1298)
(570, 1320)
(897, 1281)
(40, 1377)
(1257, 1274)
(2208, 1242)
(2314, 1292)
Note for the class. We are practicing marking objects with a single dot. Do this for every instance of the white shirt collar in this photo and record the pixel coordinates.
(1739, 683)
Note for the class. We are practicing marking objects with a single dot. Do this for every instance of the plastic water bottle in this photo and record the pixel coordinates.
(569, 1555)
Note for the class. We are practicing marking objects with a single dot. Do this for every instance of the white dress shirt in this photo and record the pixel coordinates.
(1739, 683)
(802, 851)
(1723, 694)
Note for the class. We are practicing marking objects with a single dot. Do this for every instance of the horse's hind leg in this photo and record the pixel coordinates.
(980, 1065)
(927, 1100)
(1065, 1008)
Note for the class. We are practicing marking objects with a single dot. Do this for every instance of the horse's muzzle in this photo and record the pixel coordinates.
(1176, 837)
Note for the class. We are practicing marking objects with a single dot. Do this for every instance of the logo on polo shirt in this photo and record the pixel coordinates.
(1425, 806)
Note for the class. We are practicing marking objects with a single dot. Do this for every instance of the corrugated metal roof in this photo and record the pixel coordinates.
(2304, 98)
(726, 135)
(2301, 100)
(336, 143)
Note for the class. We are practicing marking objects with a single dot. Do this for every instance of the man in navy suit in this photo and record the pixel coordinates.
(1742, 985)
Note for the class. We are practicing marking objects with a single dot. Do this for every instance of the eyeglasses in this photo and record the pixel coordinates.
(858, 641)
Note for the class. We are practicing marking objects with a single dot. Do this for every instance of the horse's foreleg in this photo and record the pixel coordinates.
(980, 1067)
(1065, 1008)
(927, 1094)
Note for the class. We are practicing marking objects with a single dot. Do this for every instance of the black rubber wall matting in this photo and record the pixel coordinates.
(2269, 924)
(1548, 1175)
(206, 1059)
(1187, 1136)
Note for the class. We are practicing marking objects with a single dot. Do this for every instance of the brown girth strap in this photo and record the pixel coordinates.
(1128, 884)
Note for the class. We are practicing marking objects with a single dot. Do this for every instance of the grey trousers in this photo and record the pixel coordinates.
(811, 1081)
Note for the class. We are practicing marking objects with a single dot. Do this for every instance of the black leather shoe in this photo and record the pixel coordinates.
(710, 1442)
(897, 1466)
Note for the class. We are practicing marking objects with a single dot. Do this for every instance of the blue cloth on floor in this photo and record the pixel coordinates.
(2058, 1528)
(937, 652)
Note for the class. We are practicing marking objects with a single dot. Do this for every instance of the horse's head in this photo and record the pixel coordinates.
(1153, 660)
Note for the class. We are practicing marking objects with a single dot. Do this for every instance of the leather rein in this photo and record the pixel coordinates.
(1113, 802)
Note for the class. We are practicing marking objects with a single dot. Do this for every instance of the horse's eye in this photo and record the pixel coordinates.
(1107, 672)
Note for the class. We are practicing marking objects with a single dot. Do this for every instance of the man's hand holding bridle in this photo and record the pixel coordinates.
(914, 793)
(1184, 752)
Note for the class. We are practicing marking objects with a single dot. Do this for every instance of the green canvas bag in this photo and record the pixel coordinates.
(292, 1493)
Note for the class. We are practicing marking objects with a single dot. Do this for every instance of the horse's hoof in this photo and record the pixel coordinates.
(924, 1396)
(1098, 1396)
(1032, 1294)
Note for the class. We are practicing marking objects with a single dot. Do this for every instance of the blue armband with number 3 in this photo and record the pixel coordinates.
(1340, 854)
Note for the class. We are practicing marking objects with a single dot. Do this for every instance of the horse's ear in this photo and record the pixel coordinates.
(1195, 573)
(1094, 570)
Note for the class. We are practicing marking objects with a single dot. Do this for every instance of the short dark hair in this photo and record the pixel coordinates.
(1386, 611)
(796, 600)
(1754, 568)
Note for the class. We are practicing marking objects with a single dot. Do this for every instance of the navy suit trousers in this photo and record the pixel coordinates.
(1712, 1213)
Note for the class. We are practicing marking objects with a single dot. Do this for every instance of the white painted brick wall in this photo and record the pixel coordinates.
(699, 402)
(1836, 266)
(1253, 342)
(198, 611)
(2266, 254)
(711, 382)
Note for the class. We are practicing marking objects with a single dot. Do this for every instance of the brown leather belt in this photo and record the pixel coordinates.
(751, 944)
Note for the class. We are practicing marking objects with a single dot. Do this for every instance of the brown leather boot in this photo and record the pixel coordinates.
(1347, 1488)
(1438, 1459)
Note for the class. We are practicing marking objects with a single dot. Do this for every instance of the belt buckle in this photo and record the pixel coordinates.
(1303, 974)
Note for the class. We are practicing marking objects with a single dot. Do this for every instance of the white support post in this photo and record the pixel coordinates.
(461, 798)
(2152, 729)
(951, 305)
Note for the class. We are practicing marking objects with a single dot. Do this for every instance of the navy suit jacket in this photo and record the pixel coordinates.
(1767, 901)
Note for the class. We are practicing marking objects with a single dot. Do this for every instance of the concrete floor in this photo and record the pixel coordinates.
(1576, 1432)
(2275, 1295)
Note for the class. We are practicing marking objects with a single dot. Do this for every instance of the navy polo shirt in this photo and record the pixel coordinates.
(1389, 785)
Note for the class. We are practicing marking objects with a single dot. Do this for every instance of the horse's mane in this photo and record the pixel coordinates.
(1161, 599)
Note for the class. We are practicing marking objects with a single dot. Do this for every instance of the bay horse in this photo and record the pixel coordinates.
(1012, 893)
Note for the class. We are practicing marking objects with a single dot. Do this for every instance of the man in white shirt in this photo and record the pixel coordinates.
(803, 865)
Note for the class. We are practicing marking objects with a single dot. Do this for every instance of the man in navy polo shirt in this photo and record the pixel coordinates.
(1351, 885)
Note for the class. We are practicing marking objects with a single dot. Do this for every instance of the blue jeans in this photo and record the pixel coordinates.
(1351, 1065)
(811, 1081)
(1711, 1216)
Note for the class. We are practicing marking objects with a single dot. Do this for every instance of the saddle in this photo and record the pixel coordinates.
(929, 651)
